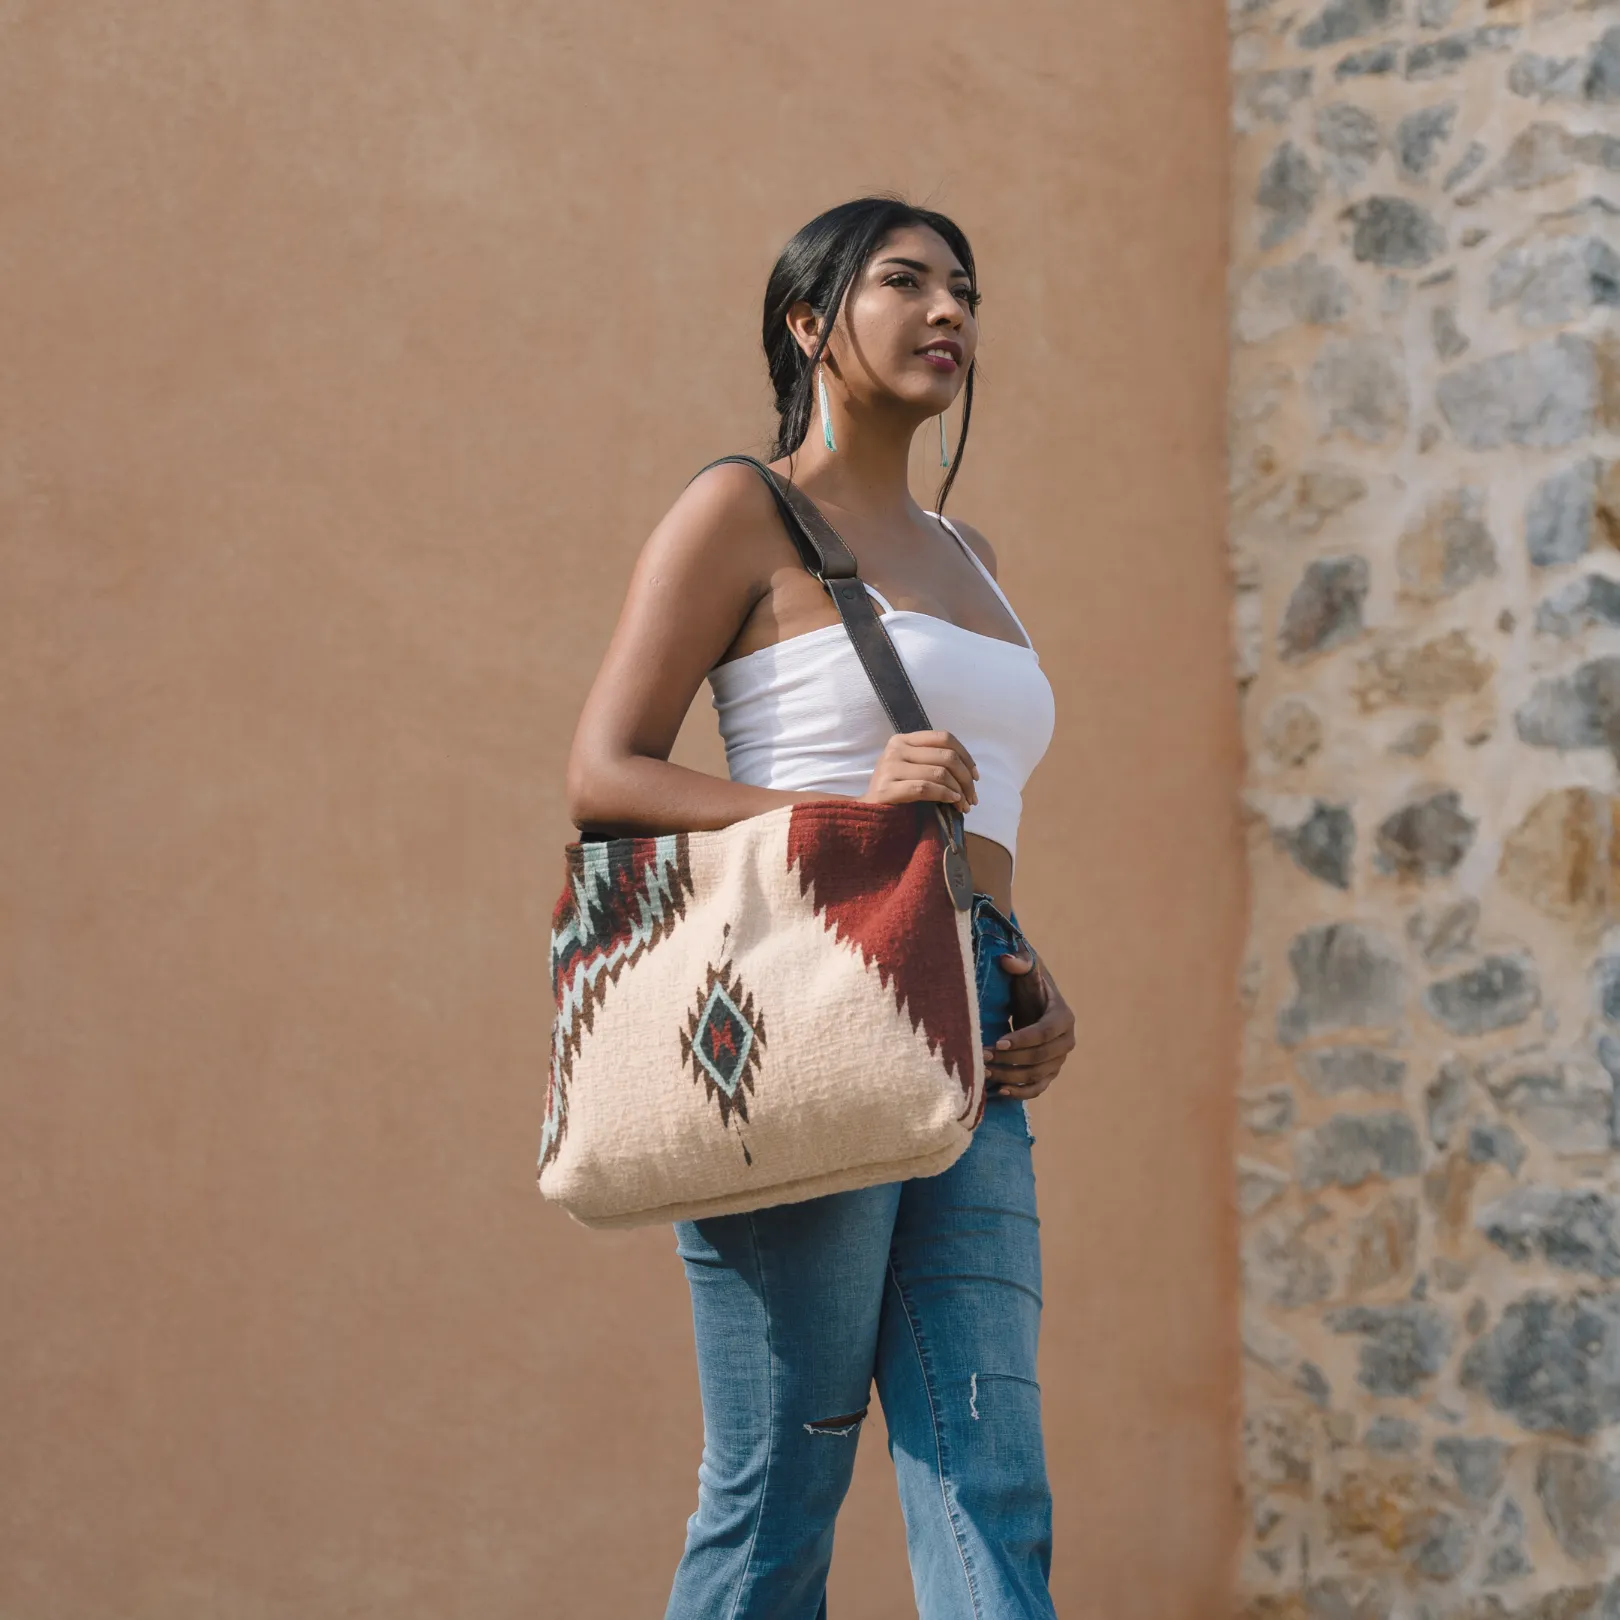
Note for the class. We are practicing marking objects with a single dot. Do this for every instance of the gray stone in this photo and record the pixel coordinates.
(1259, 1185)
(1506, 1557)
(1267, 1113)
(1555, 282)
(1287, 192)
(1325, 608)
(1293, 732)
(1336, 1598)
(1603, 68)
(1580, 1494)
(1359, 385)
(1602, 151)
(1542, 396)
(1324, 844)
(1558, 518)
(1477, 1464)
(1474, 155)
(1276, 297)
(1591, 599)
(1443, 930)
(1313, 1384)
(1574, 711)
(1346, 977)
(1393, 232)
(1547, 78)
(1266, 1518)
(1271, 95)
(1352, 1148)
(1350, 137)
(1447, 1099)
(1606, 970)
(1552, 1364)
(1477, 1317)
(1433, 58)
(1435, 13)
(1280, 1268)
(1277, 1445)
(1500, 992)
(1332, 1070)
(1449, 340)
(1391, 1436)
(1545, 152)
(1448, 549)
(1567, 1104)
(1426, 838)
(1419, 137)
(1403, 1345)
(1384, 1246)
(1377, 59)
(1348, 19)
(1305, 502)
(1495, 1144)
(1417, 739)
(1608, 1054)
(1577, 1231)
(1444, 1546)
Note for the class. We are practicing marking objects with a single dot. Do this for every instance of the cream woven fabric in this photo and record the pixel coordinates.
(779, 1009)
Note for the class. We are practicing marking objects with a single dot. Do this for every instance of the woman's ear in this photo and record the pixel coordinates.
(805, 325)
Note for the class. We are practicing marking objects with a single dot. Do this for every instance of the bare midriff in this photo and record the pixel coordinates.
(992, 869)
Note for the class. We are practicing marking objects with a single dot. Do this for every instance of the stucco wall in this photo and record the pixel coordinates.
(359, 348)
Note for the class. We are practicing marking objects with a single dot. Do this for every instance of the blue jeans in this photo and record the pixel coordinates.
(932, 1288)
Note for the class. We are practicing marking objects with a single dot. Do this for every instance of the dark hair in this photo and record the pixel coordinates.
(818, 267)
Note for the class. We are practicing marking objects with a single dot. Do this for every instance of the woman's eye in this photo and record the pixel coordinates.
(899, 277)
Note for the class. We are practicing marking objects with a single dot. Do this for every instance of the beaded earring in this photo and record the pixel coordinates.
(826, 415)
(944, 451)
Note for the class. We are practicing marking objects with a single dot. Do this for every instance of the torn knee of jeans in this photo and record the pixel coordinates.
(836, 1426)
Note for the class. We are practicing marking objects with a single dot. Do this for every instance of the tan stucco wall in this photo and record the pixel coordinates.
(359, 348)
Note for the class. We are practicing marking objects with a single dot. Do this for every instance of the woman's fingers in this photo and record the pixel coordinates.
(1029, 1057)
(1021, 1093)
(939, 739)
(952, 765)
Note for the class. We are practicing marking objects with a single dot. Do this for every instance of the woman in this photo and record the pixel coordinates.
(931, 1286)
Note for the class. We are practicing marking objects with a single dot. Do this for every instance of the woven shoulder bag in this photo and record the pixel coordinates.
(773, 1010)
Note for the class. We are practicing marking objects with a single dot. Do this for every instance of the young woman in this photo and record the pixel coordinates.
(929, 1287)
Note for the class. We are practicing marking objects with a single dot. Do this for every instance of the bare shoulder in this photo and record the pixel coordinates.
(982, 549)
(724, 520)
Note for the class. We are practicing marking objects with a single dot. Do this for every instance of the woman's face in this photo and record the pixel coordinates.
(908, 332)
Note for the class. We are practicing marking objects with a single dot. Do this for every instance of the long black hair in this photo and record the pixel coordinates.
(818, 267)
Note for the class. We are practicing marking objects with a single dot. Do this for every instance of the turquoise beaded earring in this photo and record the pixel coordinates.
(944, 451)
(826, 415)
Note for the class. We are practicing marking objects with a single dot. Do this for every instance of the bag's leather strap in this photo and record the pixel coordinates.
(822, 550)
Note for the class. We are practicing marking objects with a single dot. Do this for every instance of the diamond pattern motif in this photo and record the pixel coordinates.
(722, 1041)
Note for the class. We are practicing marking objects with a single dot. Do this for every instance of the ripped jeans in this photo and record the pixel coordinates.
(931, 1288)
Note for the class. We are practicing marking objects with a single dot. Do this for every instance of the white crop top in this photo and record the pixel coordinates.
(801, 714)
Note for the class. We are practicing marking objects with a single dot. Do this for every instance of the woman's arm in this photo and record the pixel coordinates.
(697, 579)
(700, 576)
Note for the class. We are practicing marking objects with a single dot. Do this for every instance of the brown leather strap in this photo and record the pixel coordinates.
(822, 550)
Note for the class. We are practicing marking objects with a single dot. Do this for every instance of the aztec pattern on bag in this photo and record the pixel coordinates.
(745, 946)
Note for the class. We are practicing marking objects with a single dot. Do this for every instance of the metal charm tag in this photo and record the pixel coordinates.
(958, 877)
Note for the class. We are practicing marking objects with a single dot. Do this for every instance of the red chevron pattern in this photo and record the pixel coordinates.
(877, 881)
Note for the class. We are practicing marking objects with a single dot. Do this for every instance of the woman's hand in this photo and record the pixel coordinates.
(924, 765)
(1026, 1061)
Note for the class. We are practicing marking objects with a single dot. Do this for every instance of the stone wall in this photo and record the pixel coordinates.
(1425, 505)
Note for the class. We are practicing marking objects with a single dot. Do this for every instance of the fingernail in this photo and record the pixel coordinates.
(1002, 1045)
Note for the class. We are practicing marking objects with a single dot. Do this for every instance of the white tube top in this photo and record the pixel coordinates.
(801, 715)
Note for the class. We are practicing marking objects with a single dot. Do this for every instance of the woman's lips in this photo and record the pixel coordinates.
(939, 359)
